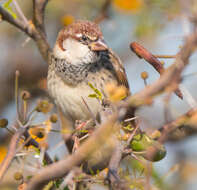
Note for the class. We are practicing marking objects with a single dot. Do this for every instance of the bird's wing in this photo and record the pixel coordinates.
(119, 70)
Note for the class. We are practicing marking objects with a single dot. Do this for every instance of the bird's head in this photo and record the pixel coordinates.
(79, 43)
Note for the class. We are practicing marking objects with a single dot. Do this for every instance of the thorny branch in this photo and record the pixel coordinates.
(61, 168)
(170, 75)
(11, 152)
(13, 147)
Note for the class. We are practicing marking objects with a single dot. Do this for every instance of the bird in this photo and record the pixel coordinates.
(81, 57)
(80, 62)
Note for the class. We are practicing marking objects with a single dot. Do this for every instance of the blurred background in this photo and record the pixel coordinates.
(158, 25)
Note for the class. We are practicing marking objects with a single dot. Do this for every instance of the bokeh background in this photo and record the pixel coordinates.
(158, 25)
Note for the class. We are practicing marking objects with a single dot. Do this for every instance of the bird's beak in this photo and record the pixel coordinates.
(98, 45)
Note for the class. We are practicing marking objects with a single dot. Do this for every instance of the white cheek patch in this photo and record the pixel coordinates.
(79, 35)
(75, 52)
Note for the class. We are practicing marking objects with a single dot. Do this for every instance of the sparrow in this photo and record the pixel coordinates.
(80, 58)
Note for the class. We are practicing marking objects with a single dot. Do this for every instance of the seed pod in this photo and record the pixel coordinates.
(53, 118)
(3, 123)
(25, 95)
(18, 176)
(150, 149)
(44, 106)
(144, 75)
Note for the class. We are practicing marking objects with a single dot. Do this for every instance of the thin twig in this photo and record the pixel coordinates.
(20, 12)
(90, 111)
(103, 12)
(165, 56)
(142, 52)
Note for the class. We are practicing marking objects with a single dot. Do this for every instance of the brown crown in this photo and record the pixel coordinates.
(79, 27)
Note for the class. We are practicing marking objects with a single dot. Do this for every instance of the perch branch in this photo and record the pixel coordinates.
(61, 168)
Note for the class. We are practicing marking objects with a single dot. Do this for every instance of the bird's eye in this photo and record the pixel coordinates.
(84, 38)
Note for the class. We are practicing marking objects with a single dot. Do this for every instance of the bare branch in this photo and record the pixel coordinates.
(13, 148)
(38, 14)
(103, 12)
(168, 129)
(38, 20)
(141, 52)
(16, 22)
(172, 74)
(11, 152)
(35, 32)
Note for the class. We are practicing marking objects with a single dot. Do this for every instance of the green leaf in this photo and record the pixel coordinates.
(84, 131)
(58, 182)
(97, 94)
(6, 6)
(92, 96)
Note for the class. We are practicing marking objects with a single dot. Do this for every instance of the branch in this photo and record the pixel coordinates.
(16, 22)
(38, 14)
(13, 147)
(38, 20)
(168, 129)
(141, 52)
(35, 32)
(170, 76)
(103, 12)
(61, 168)
(11, 152)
